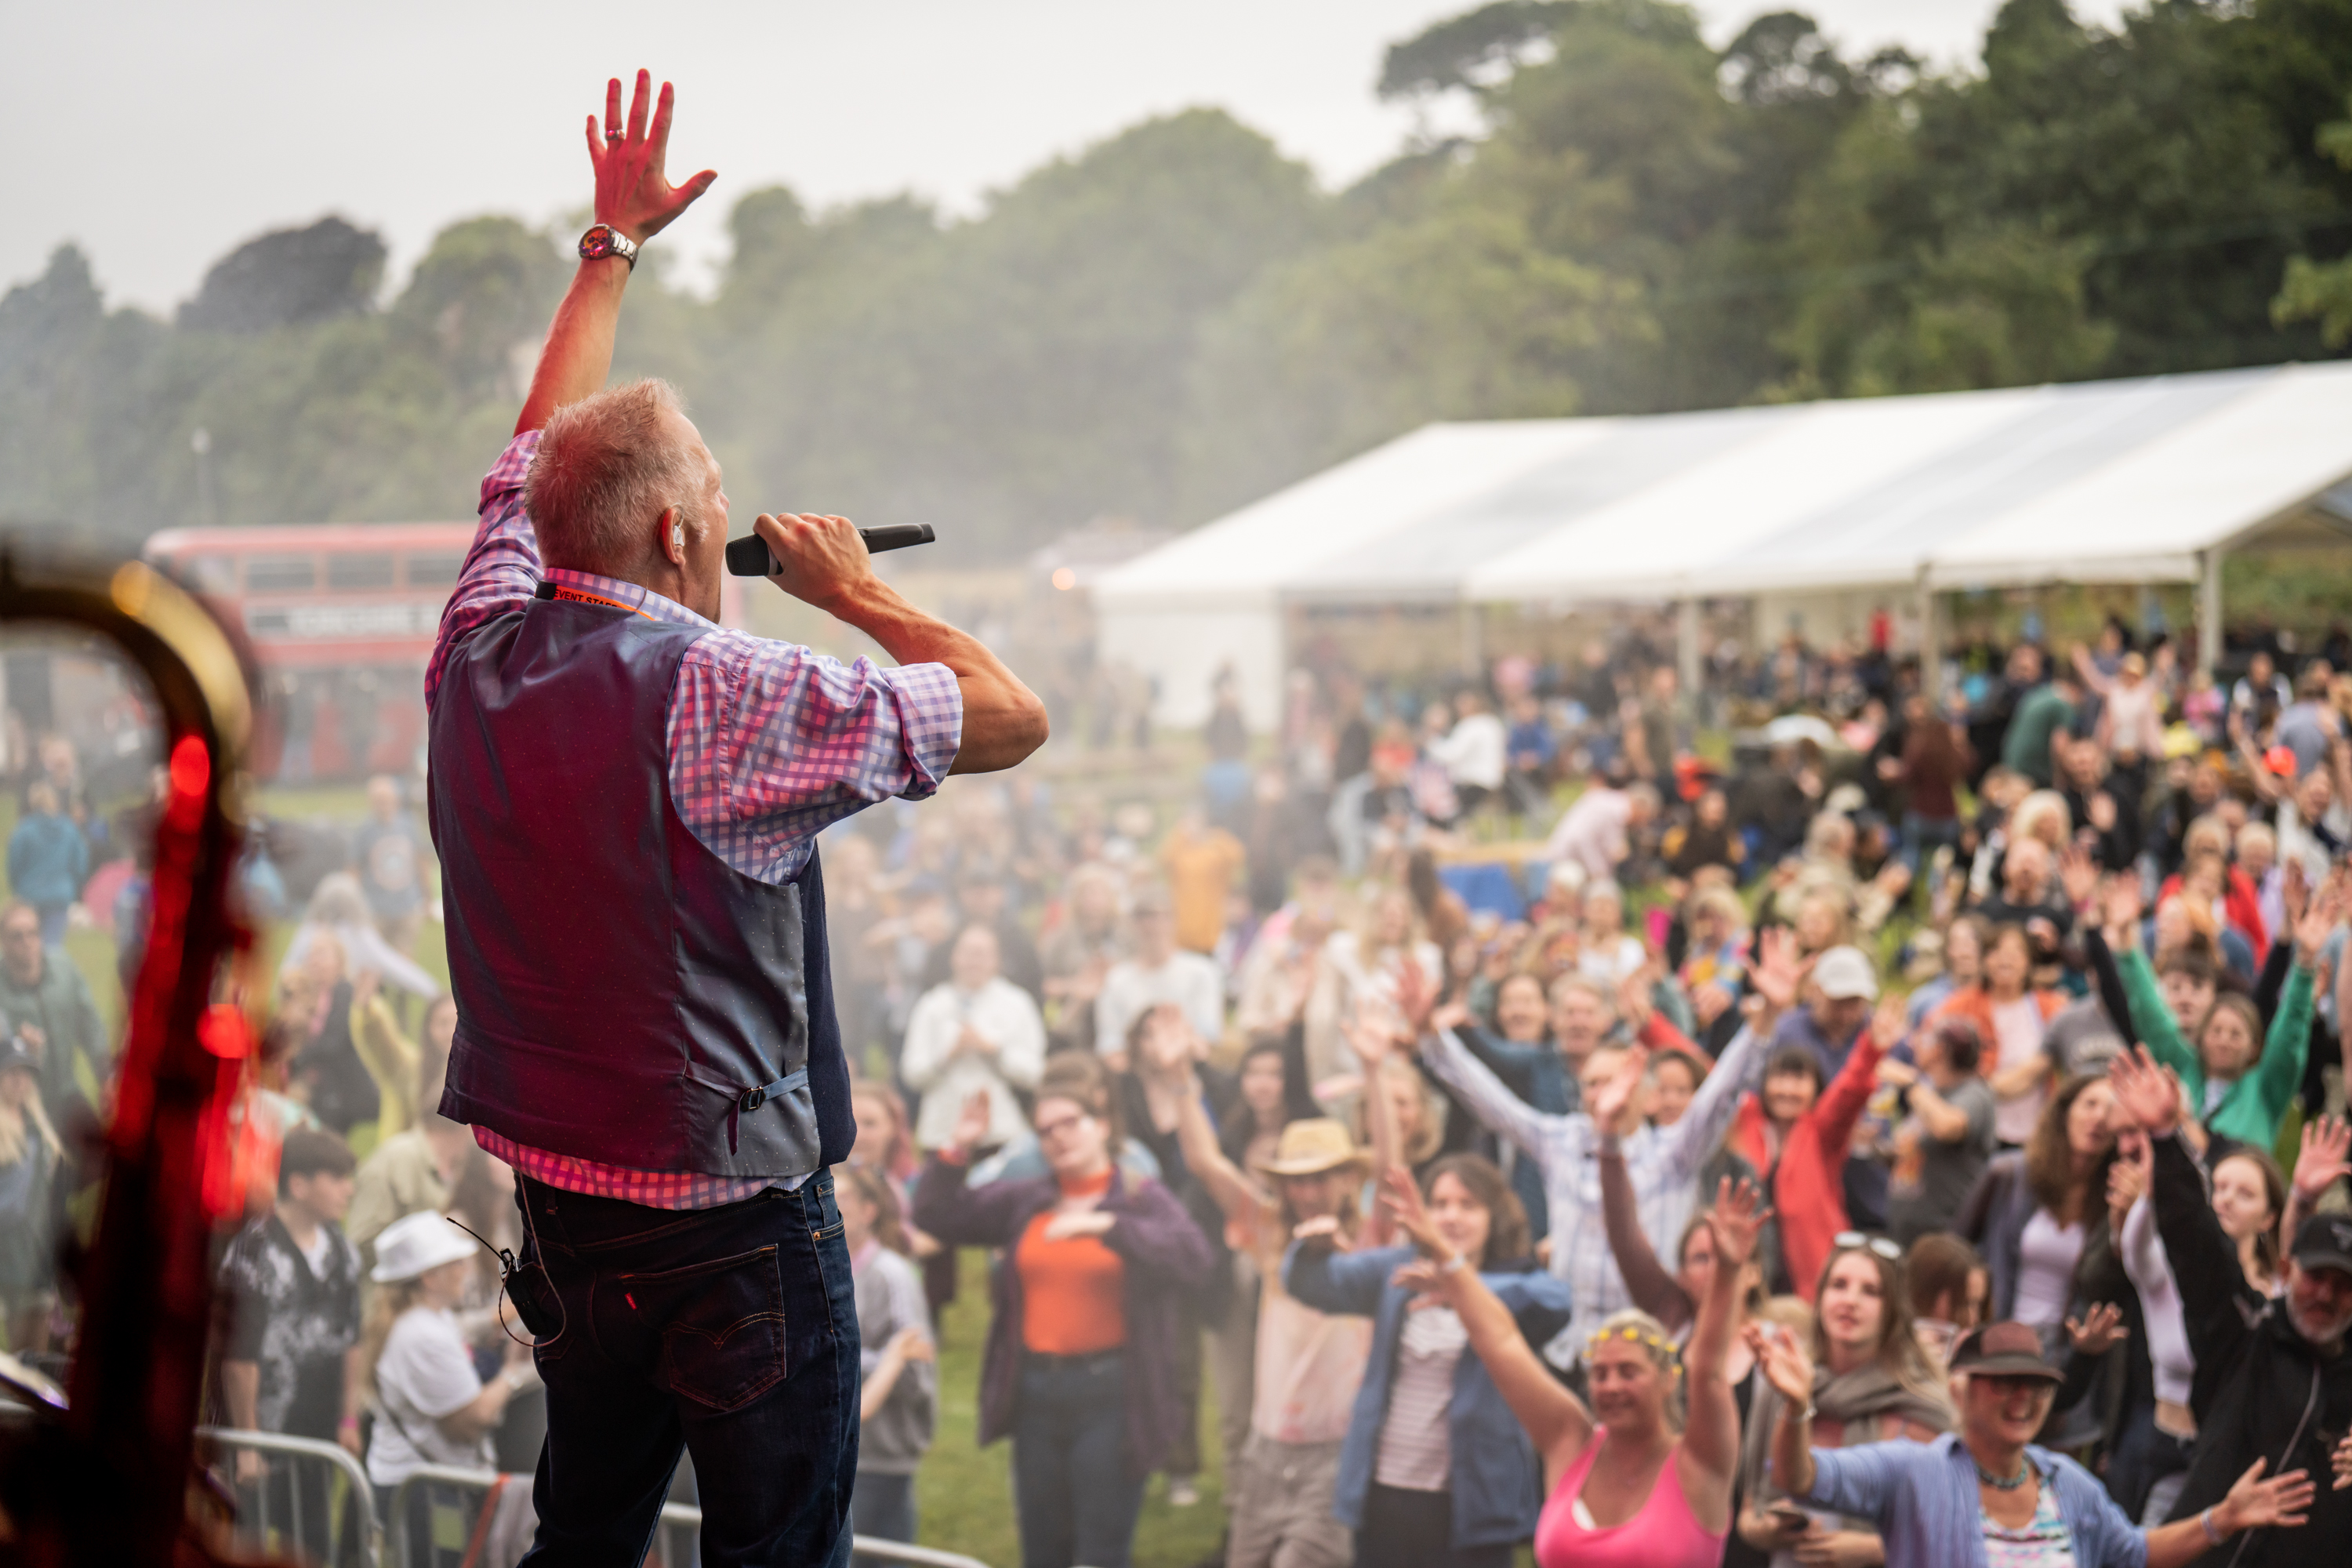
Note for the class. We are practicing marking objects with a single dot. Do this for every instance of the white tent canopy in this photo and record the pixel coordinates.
(2139, 481)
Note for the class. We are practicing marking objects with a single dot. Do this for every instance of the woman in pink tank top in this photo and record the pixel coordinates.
(1625, 1489)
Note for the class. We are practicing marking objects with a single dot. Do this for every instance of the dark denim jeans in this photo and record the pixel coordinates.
(1415, 1530)
(731, 1333)
(1077, 1504)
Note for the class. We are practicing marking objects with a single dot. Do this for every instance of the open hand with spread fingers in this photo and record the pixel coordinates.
(2255, 1504)
(2325, 1145)
(633, 190)
(2100, 1329)
(1738, 1214)
(1788, 1366)
(2142, 1092)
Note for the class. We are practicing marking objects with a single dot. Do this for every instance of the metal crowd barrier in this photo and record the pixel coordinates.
(344, 1532)
(448, 1501)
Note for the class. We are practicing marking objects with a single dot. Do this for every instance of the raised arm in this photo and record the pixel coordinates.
(1842, 1103)
(1556, 1421)
(635, 199)
(821, 561)
(1235, 1191)
(1710, 1450)
(1647, 1281)
(1504, 1114)
(2204, 1260)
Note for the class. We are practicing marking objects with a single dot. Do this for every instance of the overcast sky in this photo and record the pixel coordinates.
(167, 132)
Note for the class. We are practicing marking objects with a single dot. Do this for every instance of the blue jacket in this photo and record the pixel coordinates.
(1498, 1479)
(48, 860)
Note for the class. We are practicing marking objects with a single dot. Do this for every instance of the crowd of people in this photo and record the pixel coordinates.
(1536, 1130)
(1530, 1127)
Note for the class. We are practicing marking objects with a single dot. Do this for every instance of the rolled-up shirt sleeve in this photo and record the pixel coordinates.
(502, 567)
(770, 743)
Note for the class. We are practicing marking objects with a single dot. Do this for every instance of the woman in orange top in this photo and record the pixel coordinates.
(1080, 1368)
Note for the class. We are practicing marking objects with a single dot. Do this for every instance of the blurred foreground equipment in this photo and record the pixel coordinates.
(105, 1477)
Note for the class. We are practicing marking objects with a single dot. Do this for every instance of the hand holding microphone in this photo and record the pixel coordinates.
(752, 556)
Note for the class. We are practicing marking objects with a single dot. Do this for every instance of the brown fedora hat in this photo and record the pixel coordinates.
(1311, 1146)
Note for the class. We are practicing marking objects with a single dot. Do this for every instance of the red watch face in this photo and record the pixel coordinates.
(598, 241)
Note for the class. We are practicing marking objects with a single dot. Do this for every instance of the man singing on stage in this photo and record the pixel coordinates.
(627, 800)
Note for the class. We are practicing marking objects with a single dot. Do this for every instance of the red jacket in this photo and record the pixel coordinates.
(2240, 905)
(1808, 1186)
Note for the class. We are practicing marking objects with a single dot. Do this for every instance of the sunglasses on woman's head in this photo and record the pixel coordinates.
(1850, 1240)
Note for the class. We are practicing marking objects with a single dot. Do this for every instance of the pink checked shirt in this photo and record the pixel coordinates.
(768, 745)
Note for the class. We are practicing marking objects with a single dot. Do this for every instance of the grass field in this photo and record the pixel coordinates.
(965, 1492)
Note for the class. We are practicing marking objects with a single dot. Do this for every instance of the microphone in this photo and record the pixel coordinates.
(749, 557)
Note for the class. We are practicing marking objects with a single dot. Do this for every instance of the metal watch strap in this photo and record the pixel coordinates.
(614, 242)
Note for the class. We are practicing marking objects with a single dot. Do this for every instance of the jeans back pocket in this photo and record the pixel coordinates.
(722, 1338)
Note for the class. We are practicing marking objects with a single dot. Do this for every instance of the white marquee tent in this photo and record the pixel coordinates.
(2122, 482)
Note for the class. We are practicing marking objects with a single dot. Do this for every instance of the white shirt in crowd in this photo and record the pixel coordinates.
(1475, 752)
(999, 1011)
(1593, 833)
(1187, 979)
(426, 1372)
(1416, 1441)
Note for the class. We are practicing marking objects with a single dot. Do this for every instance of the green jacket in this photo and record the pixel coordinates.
(2252, 1110)
(75, 1062)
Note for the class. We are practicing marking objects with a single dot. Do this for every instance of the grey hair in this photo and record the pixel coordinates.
(607, 465)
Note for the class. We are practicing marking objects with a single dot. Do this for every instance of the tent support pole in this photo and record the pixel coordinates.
(2209, 612)
(1931, 644)
(1686, 651)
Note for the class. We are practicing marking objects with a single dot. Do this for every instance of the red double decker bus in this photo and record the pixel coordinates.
(342, 617)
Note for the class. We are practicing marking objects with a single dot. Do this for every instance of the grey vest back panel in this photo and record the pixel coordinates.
(624, 995)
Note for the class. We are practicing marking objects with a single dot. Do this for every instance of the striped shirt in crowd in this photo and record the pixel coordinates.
(1662, 1163)
(1924, 1500)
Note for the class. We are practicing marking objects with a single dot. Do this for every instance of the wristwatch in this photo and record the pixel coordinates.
(604, 240)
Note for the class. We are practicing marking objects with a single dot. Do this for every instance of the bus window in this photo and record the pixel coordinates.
(358, 571)
(213, 573)
(265, 573)
(436, 570)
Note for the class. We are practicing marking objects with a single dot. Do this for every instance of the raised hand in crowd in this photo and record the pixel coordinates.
(1788, 1365)
(1890, 1021)
(2144, 1092)
(972, 1125)
(2322, 1160)
(1636, 995)
(2319, 920)
(2079, 875)
(2099, 1329)
(2125, 906)
(2342, 1464)
(1400, 1199)
(2319, 1166)
(1735, 1221)
(2294, 892)
(1609, 1101)
(1777, 976)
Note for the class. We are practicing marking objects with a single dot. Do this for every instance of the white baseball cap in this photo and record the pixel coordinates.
(414, 1243)
(1844, 973)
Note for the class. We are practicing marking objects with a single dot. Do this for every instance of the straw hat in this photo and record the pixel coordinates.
(1311, 1146)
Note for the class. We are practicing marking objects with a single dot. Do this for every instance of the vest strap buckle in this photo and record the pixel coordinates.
(750, 1100)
